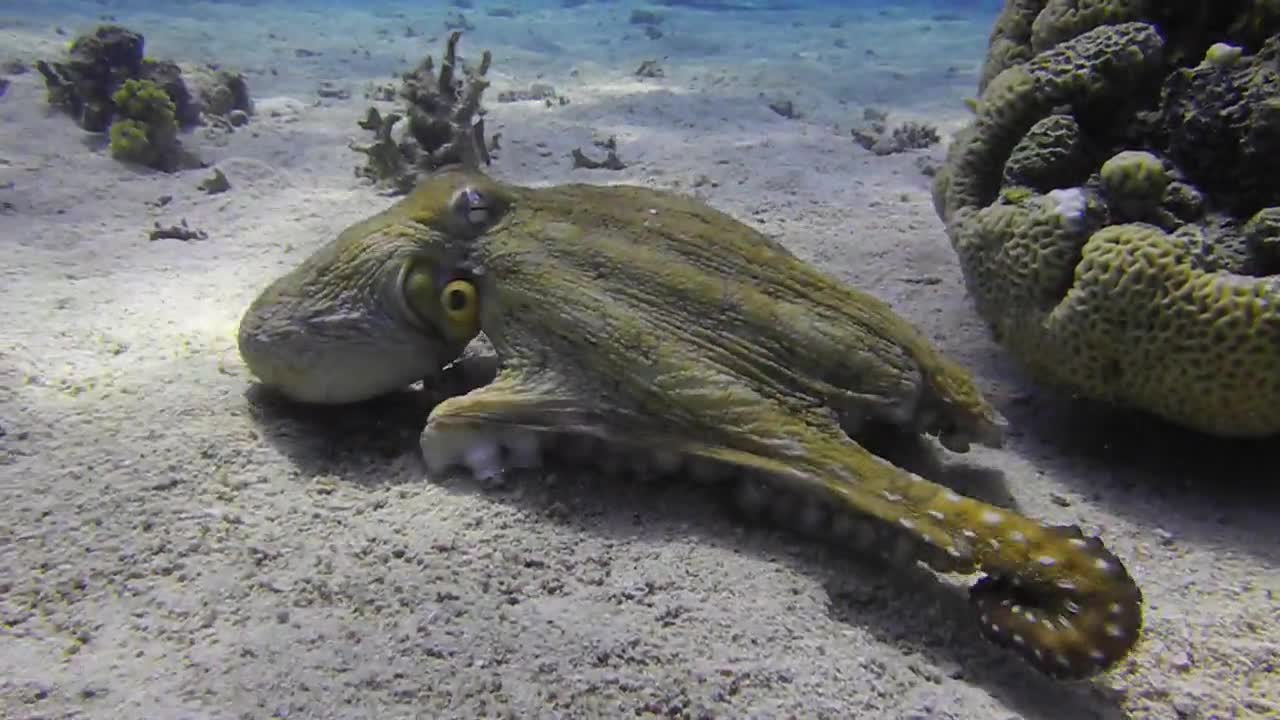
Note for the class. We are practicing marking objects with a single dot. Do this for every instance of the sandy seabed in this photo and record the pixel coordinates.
(170, 546)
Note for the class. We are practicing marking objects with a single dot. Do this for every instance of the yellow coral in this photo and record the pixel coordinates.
(1135, 175)
(1130, 313)
(1063, 19)
(145, 130)
(1138, 325)
(1091, 65)
(1223, 55)
(1146, 329)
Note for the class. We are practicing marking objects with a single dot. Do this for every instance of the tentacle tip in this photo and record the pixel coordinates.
(1064, 636)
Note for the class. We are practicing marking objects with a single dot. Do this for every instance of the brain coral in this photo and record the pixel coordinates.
(1115, 203)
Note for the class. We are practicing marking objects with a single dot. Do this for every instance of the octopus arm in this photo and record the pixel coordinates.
(1059, 599)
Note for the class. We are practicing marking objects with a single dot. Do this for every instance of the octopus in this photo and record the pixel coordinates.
(643, 324)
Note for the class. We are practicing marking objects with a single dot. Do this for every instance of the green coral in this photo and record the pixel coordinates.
(1052, 154)
(145, 130)
(1115, 207)
(1134, 181)
(1223, 55)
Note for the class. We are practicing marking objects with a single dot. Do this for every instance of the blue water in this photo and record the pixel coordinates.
(904, 53)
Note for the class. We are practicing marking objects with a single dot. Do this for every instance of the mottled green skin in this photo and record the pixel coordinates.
(657, 298)
(650, 320)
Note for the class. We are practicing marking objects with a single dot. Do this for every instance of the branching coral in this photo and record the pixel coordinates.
(441, 125)
(1115, 206)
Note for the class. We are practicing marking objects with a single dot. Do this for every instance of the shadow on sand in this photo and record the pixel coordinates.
(1182, 485)
(910, 609)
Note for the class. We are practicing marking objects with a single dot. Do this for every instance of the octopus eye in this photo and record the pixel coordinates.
(472, 206)
(459, 301)
(452, 309)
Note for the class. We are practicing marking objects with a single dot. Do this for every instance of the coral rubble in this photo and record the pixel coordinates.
(106, 83)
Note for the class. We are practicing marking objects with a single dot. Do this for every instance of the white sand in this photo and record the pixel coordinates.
(168, 549)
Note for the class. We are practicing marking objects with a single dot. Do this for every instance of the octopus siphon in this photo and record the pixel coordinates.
(650, 323)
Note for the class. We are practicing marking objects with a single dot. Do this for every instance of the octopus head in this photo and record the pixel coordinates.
(388, 302)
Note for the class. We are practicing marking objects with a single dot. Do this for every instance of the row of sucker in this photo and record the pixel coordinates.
(1055, 597)
(821, 520)
(488, 455)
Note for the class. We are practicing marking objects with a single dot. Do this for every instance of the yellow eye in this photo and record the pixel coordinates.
(459, 302)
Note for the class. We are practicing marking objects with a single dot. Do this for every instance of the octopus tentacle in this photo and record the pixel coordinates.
(1069, 633)
(1059, 599)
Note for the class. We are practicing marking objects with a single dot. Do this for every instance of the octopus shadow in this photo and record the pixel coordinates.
(365, 441)
(1183, 485)
(907, 608)
(910, 609)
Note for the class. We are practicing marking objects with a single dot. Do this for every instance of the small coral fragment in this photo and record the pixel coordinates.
(875, 135)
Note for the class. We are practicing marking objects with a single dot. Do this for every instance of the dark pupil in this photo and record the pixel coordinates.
(457, 299)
